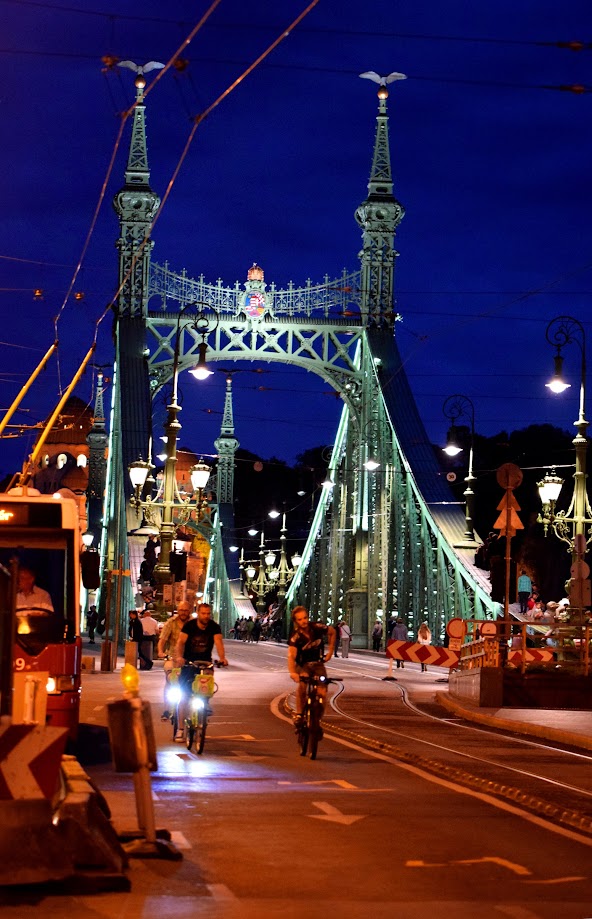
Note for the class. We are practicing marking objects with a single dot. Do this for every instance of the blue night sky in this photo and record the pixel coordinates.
(490, 159)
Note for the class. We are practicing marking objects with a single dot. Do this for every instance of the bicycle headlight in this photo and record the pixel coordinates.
(196, 703)
(173, 695)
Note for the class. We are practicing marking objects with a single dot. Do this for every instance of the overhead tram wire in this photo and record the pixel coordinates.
(102, 193)
(575, 88)
(124, 118)
(569, 45)
(421, 339)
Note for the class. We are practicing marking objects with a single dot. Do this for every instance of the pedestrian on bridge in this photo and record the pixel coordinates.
(424, 637)
(376, 635)
(399, 633)
(345, 637)
(524, 591)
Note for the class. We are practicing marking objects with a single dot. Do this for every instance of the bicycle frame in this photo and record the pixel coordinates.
(310, 731)
(202, 688)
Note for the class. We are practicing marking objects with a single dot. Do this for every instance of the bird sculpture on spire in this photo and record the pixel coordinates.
(382, 81)
(141, 68)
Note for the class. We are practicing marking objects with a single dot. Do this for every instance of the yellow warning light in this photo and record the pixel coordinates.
(130, 679)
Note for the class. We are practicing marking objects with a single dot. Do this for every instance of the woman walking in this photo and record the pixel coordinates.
(424, 637)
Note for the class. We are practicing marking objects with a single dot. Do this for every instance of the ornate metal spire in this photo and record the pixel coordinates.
(226, 447)
(379, 215)
(136, 205)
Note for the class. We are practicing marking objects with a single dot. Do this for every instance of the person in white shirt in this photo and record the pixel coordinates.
(150, 630)
(344, 638)
(30, 599)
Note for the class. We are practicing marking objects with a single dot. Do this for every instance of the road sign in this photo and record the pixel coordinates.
(30, 757)
(488, 629)
(417, 653)
(540, 655)
(509, 476)
(508, 521)
(456, 627)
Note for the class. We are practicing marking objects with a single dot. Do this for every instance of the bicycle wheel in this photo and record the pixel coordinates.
(303, 736)
(189, 732)
(315, 728)
(201, 731)
(175, 721)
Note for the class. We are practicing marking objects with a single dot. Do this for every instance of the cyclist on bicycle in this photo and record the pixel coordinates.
(306, 654)
(197, 639)
(167, 645)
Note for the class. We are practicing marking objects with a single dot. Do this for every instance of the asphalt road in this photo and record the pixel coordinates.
(265, 832)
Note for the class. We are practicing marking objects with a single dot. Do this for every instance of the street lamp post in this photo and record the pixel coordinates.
(573, 526)
(268, 576)
(171, 499)
(285, 572)
(454, 408)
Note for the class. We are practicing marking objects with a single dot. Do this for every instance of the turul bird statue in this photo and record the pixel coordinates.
(145, 68)
(382, 81)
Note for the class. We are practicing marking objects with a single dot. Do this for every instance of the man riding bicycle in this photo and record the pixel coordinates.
(197, 639)
(167, 645)
(306, 654)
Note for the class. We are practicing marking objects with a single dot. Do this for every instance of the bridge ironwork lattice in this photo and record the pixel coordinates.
(380, 542)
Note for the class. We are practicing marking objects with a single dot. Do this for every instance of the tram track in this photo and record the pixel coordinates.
(529, 774)
(544, 778)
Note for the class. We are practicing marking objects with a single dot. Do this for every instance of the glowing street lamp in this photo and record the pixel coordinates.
(454, 408)
(573, 526)
(171, 498)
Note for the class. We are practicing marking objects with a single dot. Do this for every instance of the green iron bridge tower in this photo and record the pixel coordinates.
(384, 539)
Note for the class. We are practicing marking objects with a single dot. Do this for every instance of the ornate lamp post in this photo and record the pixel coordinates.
(573, 526)
(171, 498)
(454, 408)
(285, 573)
(268, 576)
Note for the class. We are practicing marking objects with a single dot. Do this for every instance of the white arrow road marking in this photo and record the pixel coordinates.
(511, 866)
(221, 892)
(246, 757)
(179, 840)
(516, 912)
(234, 737)
(333, 815)
(556, 880)
(341, 782)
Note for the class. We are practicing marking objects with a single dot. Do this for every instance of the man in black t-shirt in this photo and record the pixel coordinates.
(197, 639)
(306, 653)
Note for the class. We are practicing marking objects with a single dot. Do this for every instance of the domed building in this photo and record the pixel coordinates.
(64, 463)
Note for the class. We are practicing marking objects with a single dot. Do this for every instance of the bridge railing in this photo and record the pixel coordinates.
(329, 298)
